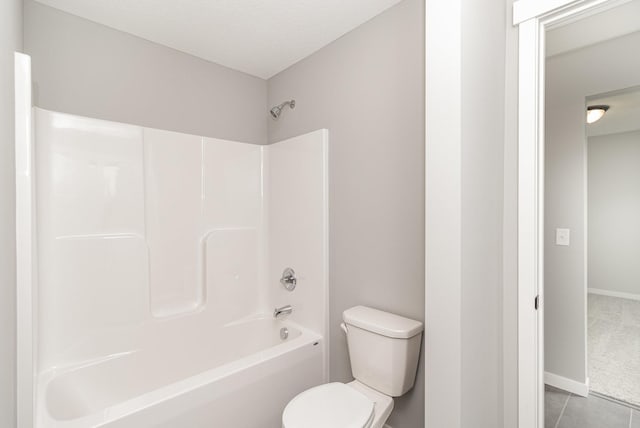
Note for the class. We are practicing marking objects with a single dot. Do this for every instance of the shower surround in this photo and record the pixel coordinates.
(159, 256)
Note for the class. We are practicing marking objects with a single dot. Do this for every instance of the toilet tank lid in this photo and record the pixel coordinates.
(381, 322)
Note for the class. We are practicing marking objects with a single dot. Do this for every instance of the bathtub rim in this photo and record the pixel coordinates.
(44, 419)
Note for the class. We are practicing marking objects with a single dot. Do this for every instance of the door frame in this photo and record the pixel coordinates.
(533, 18)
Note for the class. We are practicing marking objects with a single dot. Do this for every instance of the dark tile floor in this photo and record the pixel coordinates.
(565, 410)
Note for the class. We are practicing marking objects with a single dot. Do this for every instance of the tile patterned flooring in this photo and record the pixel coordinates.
(565, 410)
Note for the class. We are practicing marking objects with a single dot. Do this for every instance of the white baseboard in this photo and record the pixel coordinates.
(566, 384)
(614, 293)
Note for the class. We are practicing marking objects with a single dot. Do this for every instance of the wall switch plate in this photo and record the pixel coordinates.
(563, 236)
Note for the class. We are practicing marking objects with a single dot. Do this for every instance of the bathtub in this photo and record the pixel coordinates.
(240, 376)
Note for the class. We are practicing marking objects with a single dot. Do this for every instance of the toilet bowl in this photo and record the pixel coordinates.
(384, 350)
(338, 405)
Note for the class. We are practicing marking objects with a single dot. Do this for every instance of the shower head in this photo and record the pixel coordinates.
(275, 112)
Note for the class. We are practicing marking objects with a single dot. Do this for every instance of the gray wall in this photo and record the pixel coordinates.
(509, 360)
(443, 219)
(10, 41)
(614, 212)
(466, 97)
(571, 77)
(84, 68)
(367, 88)
(483, 121)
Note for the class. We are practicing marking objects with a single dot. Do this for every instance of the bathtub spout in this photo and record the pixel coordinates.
(285, 310)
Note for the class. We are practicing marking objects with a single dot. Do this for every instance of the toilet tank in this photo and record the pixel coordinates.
(383, 349)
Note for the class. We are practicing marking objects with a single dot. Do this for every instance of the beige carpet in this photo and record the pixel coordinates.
(614, 347)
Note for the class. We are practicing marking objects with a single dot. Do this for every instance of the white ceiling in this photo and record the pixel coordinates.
(623, 114)
(258, 37)
(594, 27)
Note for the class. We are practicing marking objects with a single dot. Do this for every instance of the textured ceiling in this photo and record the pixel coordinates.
(258, 37)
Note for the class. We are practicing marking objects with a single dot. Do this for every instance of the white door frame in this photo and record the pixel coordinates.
(534, 17)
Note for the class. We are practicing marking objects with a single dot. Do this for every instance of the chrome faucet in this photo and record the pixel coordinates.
(285, 310)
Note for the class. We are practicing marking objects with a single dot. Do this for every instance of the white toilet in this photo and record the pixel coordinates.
(384, 350)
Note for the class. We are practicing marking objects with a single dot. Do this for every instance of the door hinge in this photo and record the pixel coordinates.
(536, 302)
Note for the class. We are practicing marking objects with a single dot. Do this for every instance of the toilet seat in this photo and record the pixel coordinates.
(334, 405)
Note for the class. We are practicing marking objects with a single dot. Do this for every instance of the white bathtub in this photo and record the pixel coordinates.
(241, 376)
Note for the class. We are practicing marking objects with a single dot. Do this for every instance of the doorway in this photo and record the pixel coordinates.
(538, 235)
(613, 279)
(591, 247)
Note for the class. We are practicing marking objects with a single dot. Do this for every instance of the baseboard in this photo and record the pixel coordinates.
(610, 293)
(566, 384)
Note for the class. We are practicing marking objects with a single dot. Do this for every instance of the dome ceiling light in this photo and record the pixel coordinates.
(595, 113)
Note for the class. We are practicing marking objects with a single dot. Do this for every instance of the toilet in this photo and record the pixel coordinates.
(383, 350)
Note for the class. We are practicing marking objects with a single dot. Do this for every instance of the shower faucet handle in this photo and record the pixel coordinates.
(288, 279)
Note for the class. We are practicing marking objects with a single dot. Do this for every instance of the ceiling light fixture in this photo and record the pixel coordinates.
(595, 113)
